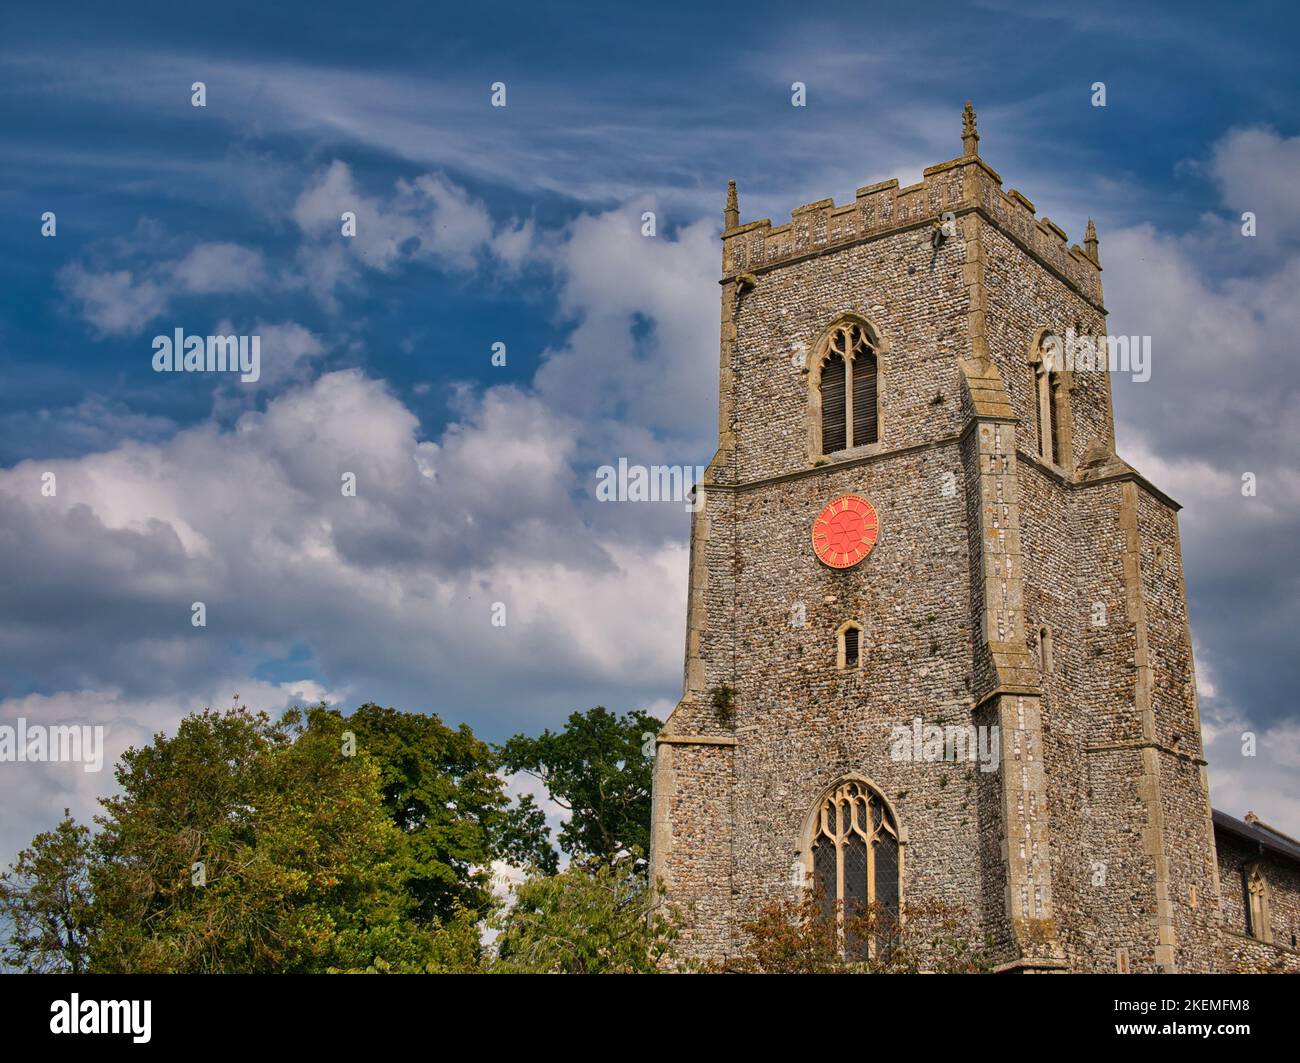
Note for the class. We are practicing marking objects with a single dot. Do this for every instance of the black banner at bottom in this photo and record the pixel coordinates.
(338, 1012)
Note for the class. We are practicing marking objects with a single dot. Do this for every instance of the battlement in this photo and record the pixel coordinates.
(960, 186)
(822, 225)
(1014, 214)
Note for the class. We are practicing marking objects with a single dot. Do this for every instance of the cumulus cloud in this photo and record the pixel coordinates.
(116, 301)
(123, 301)
(1255, 170)
(1223, 402)
(1253, 767)
(429, 218)
(646, 313)
(289, 352)
(219, 267)
(426, 219)
(392, 590)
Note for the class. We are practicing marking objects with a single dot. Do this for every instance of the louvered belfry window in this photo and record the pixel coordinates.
(834, 404)
(848, 386)
(851, 637)
(1047, 387)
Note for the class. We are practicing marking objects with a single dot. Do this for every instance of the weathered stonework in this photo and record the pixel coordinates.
(1092, 840)
(1260, 940)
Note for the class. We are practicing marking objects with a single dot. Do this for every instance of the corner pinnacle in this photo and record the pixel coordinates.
(731, 215)
(970, 138)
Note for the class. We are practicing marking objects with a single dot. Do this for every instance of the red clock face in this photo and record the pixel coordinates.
(845, 531)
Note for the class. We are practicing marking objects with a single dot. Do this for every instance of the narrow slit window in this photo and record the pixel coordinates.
(1045, 649)
(848, 645)
(852, 638)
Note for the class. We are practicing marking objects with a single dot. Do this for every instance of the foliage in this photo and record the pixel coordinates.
(453, 947)
(592, 918)
(596, 770)
(801, 936)
(318, 842)
(46, 900)
(243, 845)
(441, 789)
(724, 704)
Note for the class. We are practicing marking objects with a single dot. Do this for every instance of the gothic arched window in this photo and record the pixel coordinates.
(1049, 397)
(857, 866)
(849, 390)
(1257, 914)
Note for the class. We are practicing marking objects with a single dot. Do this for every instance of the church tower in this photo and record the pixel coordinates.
(937, 646)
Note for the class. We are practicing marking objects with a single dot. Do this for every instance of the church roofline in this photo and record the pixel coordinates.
(1260, 833)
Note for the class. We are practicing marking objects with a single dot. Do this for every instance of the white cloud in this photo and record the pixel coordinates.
(1263, 783)
(391, 591)
(429, 218)
(613, 278)
(114, 302)
(393, 587)
(220, 267)
(1255, 170)
(122, 301)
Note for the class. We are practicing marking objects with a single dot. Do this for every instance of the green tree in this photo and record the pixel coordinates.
(46, 900)
(441, 788)
(594, 768)
(246, 845)
(592, 918)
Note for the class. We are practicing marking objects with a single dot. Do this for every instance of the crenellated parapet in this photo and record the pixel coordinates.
(962, 185)
(1016, 216)
(820, 226)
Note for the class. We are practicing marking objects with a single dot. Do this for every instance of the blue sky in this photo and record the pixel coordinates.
(520, 225)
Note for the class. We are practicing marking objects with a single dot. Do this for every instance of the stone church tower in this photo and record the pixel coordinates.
(916, 524)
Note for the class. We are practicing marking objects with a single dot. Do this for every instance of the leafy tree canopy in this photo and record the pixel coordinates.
(318, 842)
(46, 900)
(441, 788)
(592, 918)
(243, 844)
(596, 769)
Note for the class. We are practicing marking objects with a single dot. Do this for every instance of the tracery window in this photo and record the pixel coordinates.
(857, 867)
(849, 390)
(1049, 401)
(1257, 915)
